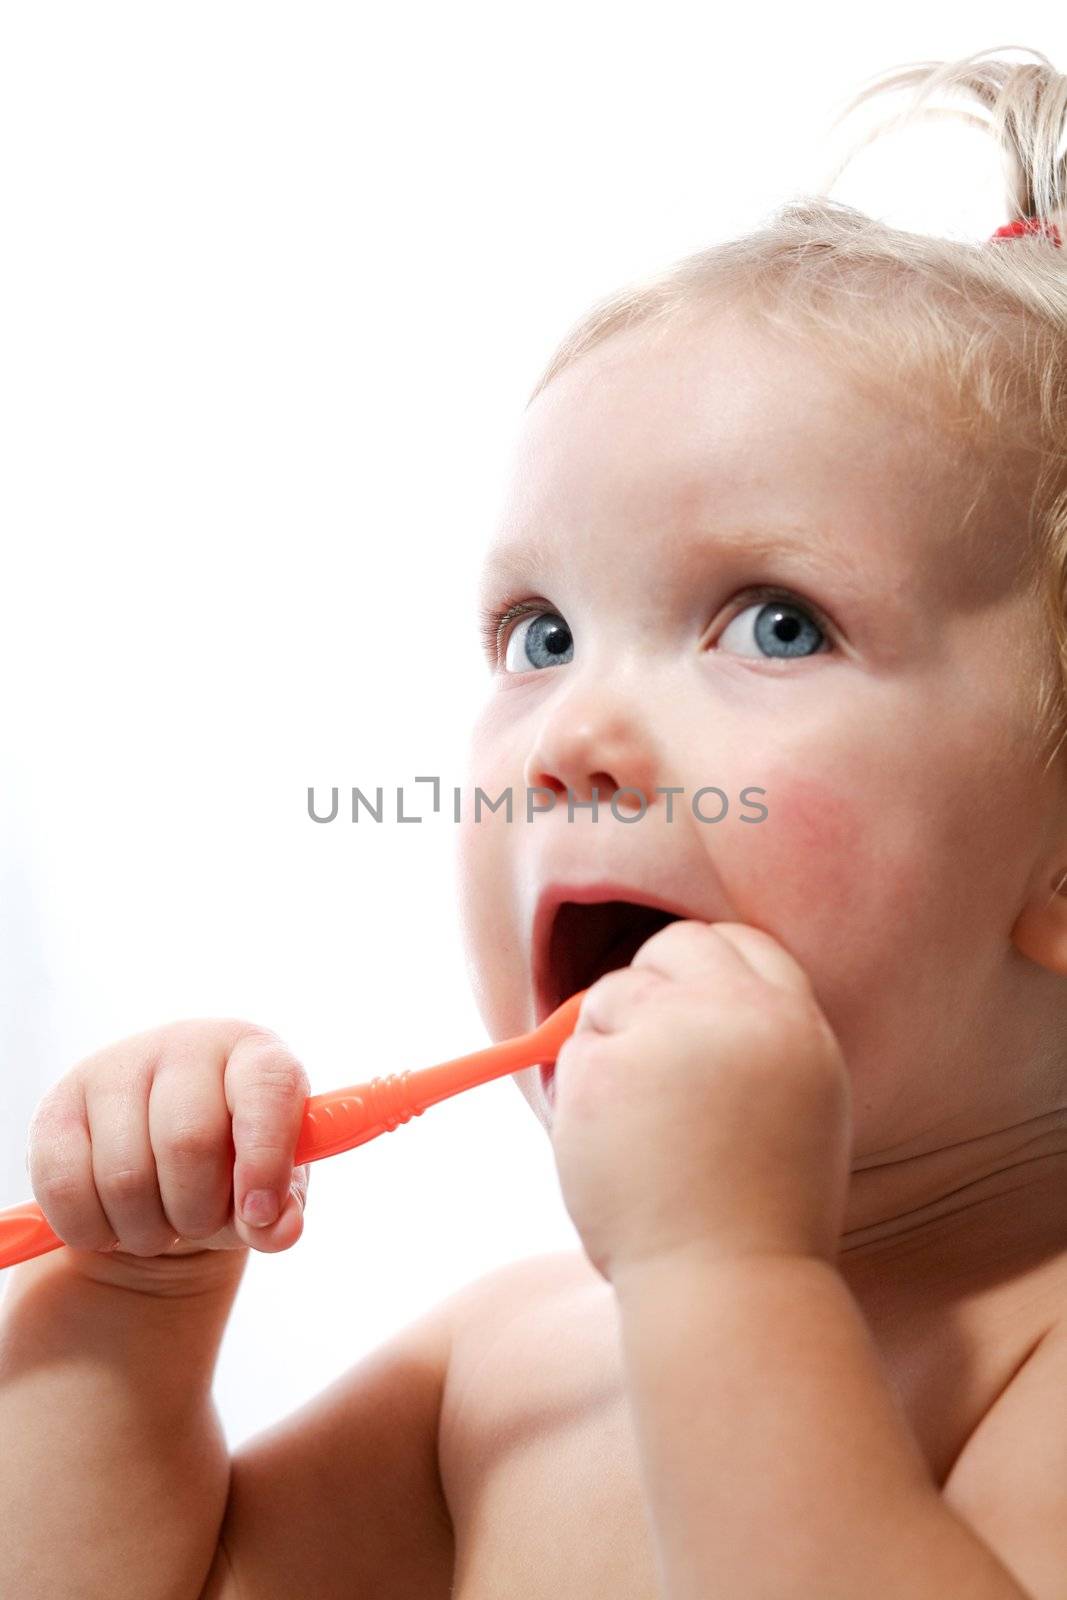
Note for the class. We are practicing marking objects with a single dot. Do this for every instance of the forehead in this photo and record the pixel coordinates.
(715, 427)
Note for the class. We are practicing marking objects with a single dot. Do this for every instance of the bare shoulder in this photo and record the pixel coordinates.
(508, 1308)
(344, 1496)
(514, 1283)
(537, 1332)
(1010, 1480)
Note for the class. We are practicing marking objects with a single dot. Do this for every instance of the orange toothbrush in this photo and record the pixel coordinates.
(347, 1117)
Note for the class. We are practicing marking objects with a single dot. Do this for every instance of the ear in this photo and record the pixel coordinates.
(1040, 930)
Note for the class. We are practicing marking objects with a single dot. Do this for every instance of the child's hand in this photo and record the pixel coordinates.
(132, 1150)
(703, 1101)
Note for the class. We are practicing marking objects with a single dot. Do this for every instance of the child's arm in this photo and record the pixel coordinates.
(114, 1474)
(774, 1457)
(113, 1467)
(344, 1498)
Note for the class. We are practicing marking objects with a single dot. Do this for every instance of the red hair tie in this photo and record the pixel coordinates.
(1016, 230)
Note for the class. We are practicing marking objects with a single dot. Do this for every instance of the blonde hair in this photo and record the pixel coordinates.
(975, 333)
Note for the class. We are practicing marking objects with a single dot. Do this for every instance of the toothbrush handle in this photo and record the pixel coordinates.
(332, 1123)
(348, 1117)
(345, 1118)
(24, 1233)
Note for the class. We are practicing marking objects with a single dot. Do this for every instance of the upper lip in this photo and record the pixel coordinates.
(555, 893)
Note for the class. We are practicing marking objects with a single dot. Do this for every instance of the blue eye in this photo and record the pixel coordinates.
(781, 630)
(542, 639)
(532, 635)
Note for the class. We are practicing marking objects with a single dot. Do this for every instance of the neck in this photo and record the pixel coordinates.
(953, 1220)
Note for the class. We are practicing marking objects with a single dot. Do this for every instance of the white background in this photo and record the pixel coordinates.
(277, 281)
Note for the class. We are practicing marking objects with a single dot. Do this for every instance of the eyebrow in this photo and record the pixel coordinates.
(517, 563)
(505, 566)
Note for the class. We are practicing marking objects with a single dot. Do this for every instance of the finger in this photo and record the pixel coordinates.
(609, 1002)
(692, 950)
(266, 1088)
(124, 1167)
(189, 1129)
(764, 954)
(289, 1226)
(59, 1161)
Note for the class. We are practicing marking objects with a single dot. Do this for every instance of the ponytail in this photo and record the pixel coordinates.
(1023, 105)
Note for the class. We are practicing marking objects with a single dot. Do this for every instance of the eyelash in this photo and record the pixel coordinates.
(494, 619)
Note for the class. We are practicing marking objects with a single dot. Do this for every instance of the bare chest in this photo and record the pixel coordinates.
(539, 1460)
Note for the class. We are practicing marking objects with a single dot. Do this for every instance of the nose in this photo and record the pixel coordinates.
(594, 739)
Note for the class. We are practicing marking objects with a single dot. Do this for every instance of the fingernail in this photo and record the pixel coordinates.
(260, 1208)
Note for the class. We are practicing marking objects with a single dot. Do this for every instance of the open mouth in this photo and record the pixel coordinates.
(585, 941)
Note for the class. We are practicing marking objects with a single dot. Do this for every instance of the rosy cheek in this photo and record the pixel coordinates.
(810, 849)
(829, 875)
(813, 813)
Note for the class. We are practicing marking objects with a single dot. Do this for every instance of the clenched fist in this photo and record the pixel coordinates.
(177, 1140)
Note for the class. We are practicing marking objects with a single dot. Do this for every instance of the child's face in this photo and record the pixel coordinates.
(907, 814)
